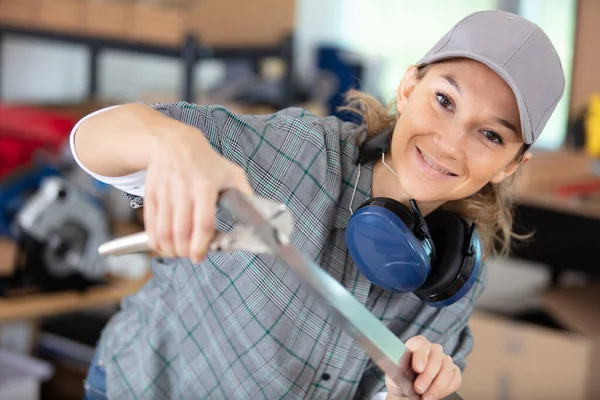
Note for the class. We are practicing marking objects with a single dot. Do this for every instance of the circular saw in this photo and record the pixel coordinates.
(58, 231)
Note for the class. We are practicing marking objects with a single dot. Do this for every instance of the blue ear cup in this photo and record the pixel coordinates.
(457, 263)
(380, 240)
(393, 247)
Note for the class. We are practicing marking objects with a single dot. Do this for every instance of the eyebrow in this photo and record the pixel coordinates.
(452, 82)
(506, 124)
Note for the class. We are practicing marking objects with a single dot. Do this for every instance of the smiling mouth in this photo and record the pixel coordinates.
(435, 165)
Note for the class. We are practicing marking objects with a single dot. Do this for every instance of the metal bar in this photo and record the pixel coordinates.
(98, 42)
(232, 53)
(288, 81)
(189, 55)
(386, 350)
(93, 73)
(146, 48)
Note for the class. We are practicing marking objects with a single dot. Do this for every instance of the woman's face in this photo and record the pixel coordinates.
(458, 129)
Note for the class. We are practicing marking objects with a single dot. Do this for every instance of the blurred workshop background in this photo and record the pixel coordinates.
(536, 328)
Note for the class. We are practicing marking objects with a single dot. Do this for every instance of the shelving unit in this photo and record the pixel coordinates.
(189, 53)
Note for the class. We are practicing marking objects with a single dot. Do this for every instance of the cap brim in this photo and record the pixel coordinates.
(526, 130)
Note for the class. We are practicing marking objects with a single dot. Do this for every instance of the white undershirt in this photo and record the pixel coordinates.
(132, 183)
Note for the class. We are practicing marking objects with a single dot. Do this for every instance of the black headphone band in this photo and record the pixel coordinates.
(375, 146)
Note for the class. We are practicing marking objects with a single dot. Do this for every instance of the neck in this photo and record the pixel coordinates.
(386, 184)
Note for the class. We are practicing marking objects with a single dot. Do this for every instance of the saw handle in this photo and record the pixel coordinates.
(136, 243)
(231, 200)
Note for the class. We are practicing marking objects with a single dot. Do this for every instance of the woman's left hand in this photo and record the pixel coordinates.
(437, 377)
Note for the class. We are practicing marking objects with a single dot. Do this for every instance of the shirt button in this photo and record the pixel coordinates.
(325, 376)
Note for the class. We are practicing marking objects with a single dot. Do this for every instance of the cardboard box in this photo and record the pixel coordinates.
(517, 360)
(62, 15)
(158, 23)
(229, 23)
(108, 18)
(18, 12)
(223, 23)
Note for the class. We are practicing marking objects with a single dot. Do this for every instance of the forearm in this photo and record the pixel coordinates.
(119, 141)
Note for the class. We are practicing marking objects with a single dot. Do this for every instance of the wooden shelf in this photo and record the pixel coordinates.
(190, 51)
(47, 304)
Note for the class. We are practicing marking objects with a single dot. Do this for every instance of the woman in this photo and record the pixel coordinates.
(237, 325)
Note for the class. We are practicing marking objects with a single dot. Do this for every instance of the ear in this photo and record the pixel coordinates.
(511, 168)
(407, 84)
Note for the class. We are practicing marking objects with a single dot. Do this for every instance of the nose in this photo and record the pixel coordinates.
(450, 141)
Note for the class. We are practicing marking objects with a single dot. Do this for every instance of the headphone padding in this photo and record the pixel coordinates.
(449, 233)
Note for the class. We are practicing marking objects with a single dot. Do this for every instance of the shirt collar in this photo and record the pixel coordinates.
(355, 189)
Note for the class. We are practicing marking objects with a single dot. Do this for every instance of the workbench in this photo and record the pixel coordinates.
(39, 305)
(565, 230)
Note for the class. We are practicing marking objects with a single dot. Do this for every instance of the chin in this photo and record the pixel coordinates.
(423, 191)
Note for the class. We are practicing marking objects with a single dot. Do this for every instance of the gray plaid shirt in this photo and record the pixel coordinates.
(242, 326)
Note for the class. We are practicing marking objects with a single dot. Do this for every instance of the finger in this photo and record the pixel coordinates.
(164, 222)
(441, 385)
(397, 390)
(417, 342)
(419, 361)
(420, 358)
(434, 364)
(203, 225)
(183, 210)
(456, 380)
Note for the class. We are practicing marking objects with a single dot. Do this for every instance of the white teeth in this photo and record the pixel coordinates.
(432, 165)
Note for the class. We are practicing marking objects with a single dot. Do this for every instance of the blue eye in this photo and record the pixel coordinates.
(493, 137)
(444, 101)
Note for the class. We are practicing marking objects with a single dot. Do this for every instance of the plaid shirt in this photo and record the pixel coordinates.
(242, 326)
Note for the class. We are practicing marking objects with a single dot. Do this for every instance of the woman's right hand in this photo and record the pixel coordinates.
(183, 181)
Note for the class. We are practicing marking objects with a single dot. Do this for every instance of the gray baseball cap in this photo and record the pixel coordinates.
(519, 52)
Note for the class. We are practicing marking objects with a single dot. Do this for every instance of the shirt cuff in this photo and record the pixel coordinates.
(132, 183)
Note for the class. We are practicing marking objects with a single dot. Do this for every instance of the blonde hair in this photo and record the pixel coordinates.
(490, 208)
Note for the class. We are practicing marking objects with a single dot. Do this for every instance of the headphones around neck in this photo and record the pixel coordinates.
(438, 257)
